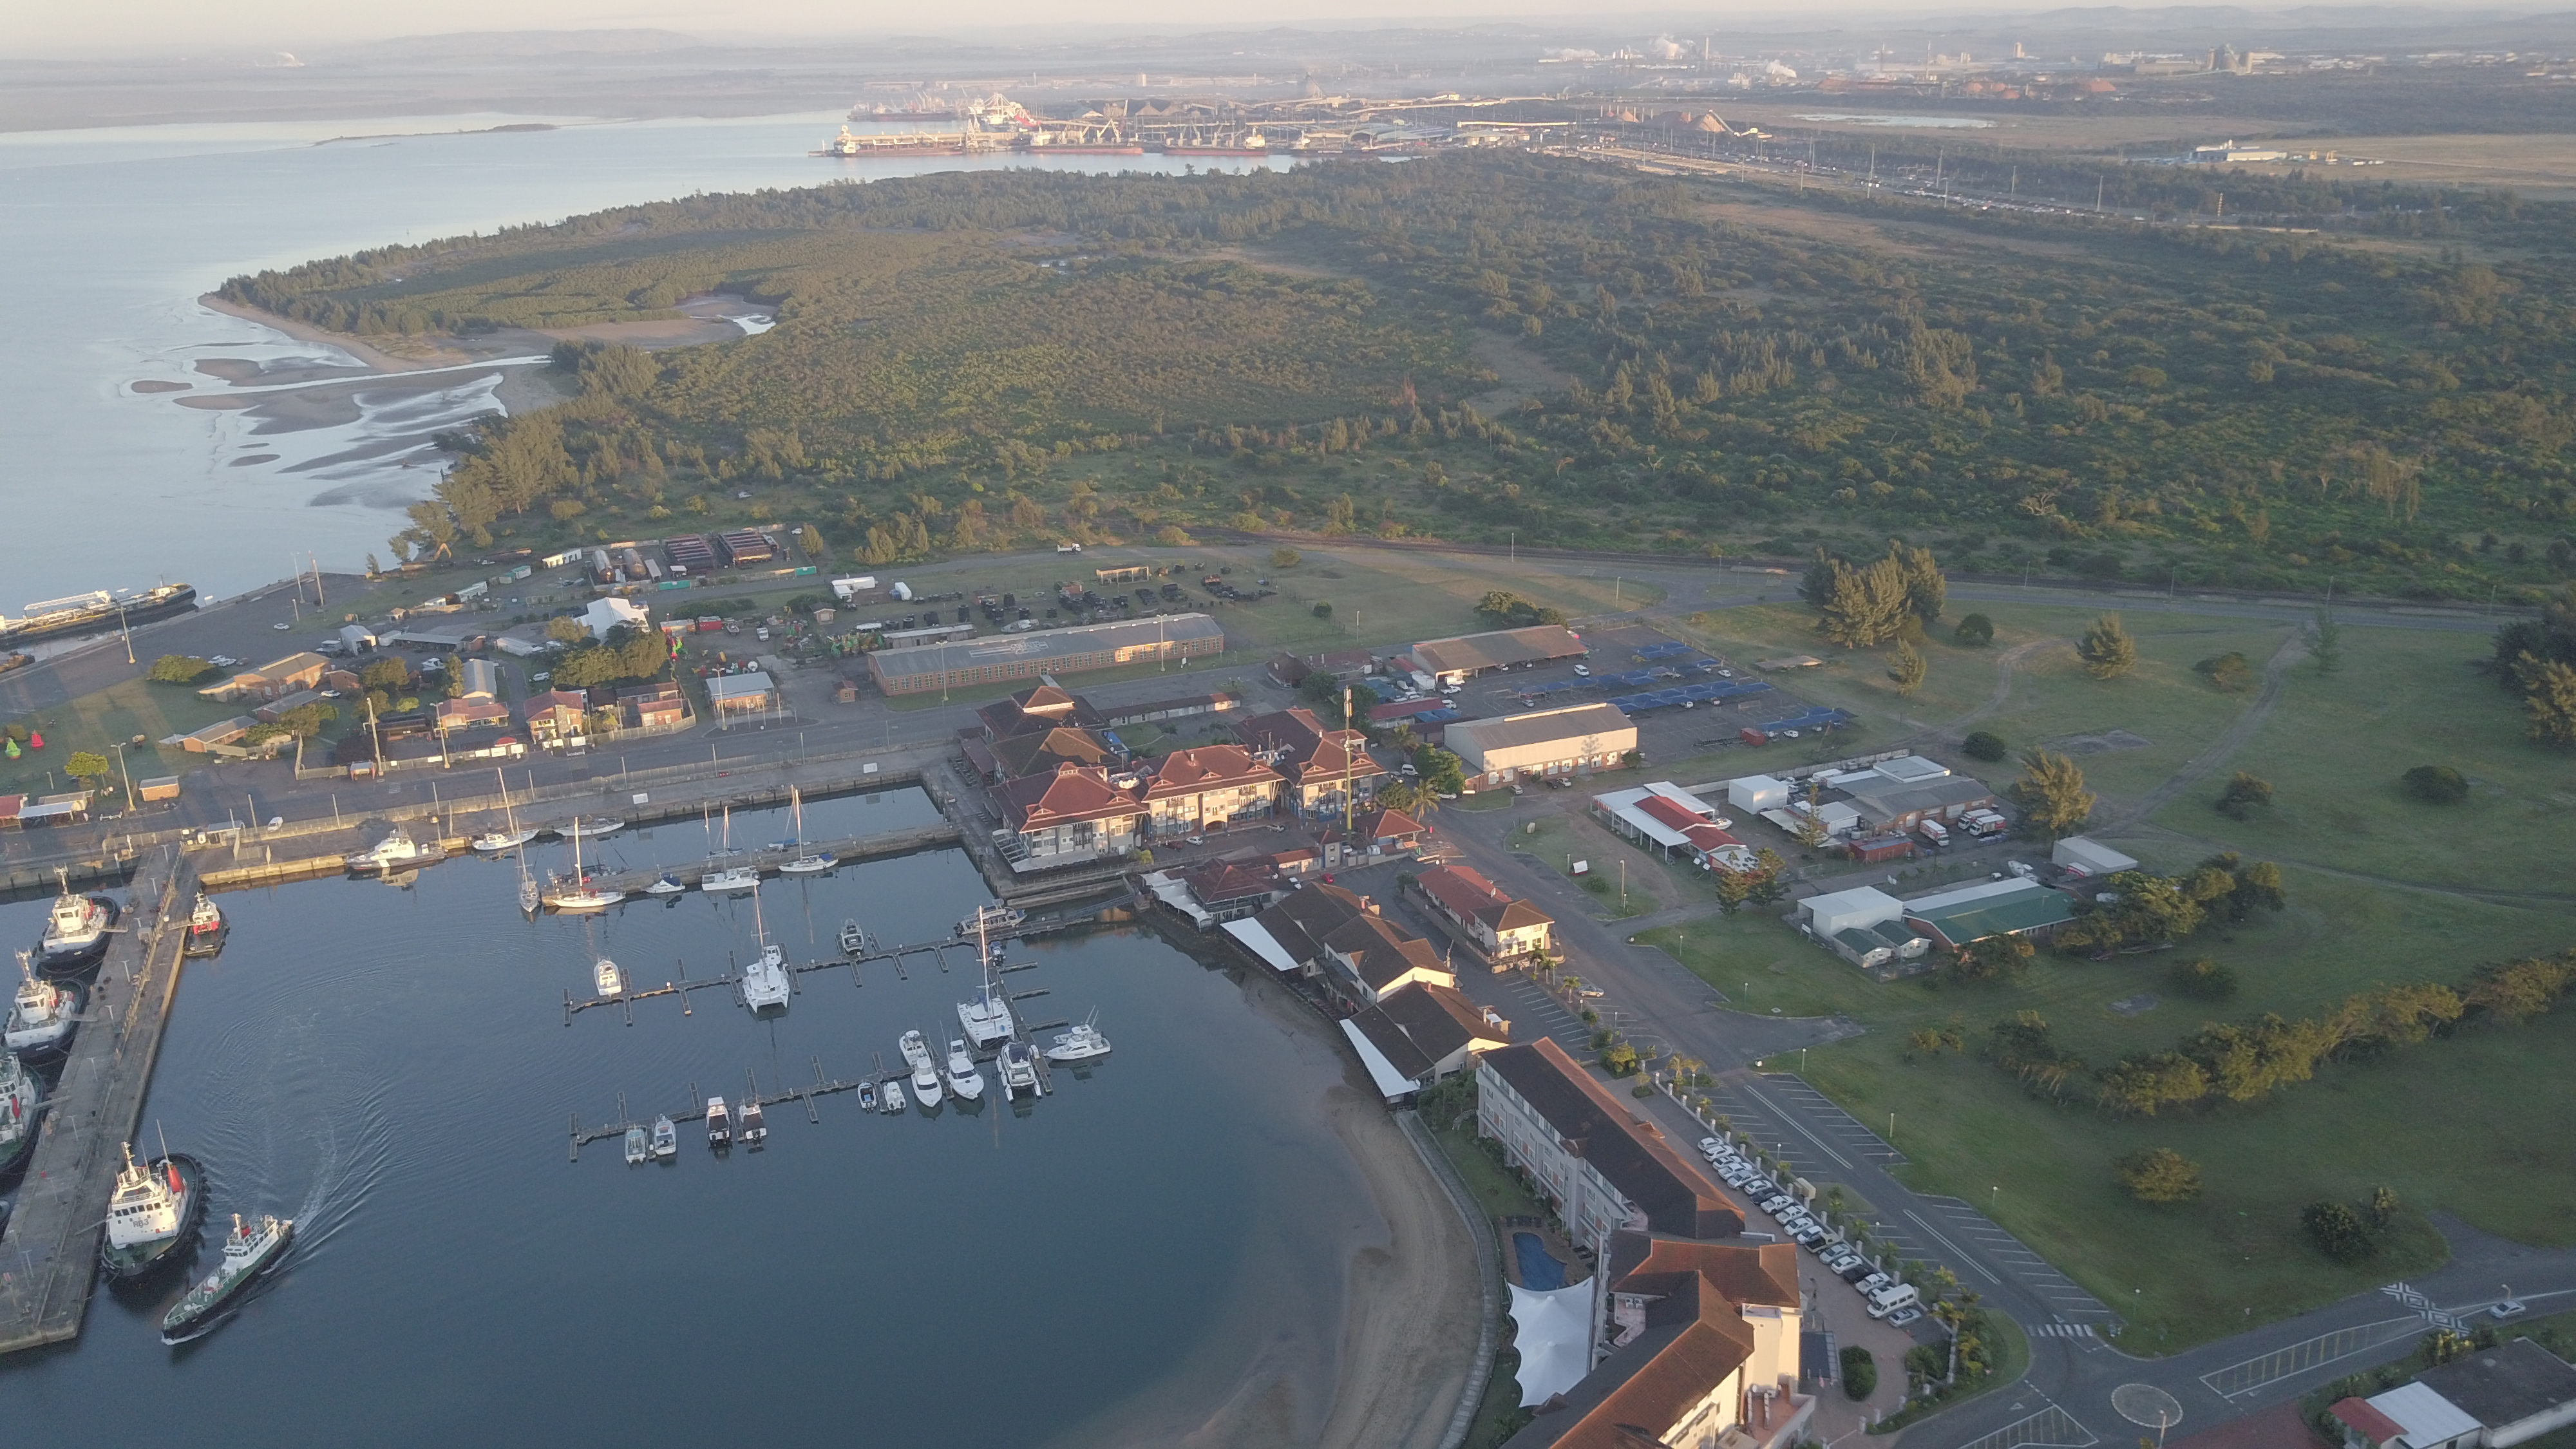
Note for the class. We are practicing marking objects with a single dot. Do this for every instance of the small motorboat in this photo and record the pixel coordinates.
(755, 1127)
(892, 1101)
(638, 1146)
(611, 981)
(867, 1096)
(666, 885)
(493, 842)
(1081, 1044)
(853, 940)
(719, 1123)
(964, 1078)
(666, 1138)
(733, 880)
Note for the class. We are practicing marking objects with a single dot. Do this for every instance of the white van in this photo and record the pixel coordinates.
(1891, 1298)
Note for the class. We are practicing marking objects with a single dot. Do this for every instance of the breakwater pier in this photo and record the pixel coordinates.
(49, 1256)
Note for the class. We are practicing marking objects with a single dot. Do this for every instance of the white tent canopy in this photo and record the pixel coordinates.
(1257, 939)
(1552, 1332)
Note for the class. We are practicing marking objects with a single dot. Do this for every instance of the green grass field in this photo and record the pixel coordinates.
(97, 721)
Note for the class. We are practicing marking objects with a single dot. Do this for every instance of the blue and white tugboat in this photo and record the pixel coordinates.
(248, 1252)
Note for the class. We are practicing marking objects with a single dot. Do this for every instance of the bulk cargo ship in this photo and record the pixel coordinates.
(97, 611)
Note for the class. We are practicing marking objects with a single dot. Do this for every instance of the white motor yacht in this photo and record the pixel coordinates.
(891, 1100)
(1081, 1044)
(1018, 1069)
(638, 1146)
(493, 842)
(719, 1123)
(608, 978)
(666, 885)
(395, 852)
(77, 929)
(755, 1127)
(44, 1014)
(853, 940)
(666, 1137)
(732, 880)
(925, 1071)
(963, 1077)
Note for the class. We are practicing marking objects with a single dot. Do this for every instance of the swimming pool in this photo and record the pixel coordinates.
(1539, 1272)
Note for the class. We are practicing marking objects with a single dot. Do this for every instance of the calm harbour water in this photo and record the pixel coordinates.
(390, 1066)
(120, 231)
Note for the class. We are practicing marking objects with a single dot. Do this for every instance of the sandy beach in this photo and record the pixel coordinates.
(1375, 1360)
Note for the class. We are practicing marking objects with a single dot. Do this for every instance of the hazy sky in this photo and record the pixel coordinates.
(245, 26)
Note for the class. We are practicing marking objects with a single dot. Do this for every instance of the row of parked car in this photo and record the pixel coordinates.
(1898, 1303)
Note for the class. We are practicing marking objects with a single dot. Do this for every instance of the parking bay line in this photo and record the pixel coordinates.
(1956, 1251)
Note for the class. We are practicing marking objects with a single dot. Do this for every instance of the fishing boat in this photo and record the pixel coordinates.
(248, 1253)
(963, 1077)
(719, 1123)
(1018, 1069)
(755, 1127)
(853, 940)
(638, 1146)
(766, 984)
(808, 861)
(19, 1094)
(43, 1016)
(575, 893)
(76, 929)
(989, 919)
(666, 1138)
(1081, 1044)
(925, 1071)
(397, 851)
(867, 1096)
(892, 1100)
(206, 928)
(610, 980)
(152, 1215)
(666, 884)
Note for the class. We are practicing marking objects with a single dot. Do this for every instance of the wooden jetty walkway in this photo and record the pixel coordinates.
(49, 1256)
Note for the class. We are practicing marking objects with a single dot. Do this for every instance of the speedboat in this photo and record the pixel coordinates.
(733, 880)
(493, 842)
(963, 1078)
(1018, 1069)
(666, 885)
(610, 980)
(925, 1071)
(44, 1015)
(248, 1253)
(853, 940)
(152, 1216)
(206, 928)
(638, 1146)
(76, 930)
(1081, 1044)
(19, 1094)
(892, 1101)
(755, 1128)
(766, 985)
(719, 1123)
(666, 1138)
(392, 853)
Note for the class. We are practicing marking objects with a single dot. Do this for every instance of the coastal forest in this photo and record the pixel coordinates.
(2361, 384)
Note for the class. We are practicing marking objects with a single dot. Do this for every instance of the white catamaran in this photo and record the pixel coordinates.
(766, 985)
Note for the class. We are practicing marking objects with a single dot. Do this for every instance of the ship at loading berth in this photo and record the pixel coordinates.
(96, 612)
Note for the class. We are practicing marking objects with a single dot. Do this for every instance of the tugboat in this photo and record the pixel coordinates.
(1081, 1044)
(76, 930)
(963, 1078)
(393, 853)
(153, 1214)
(755, 1128)
(1018, 1070)
(19, 1094)
(248, 1253)
(44, 1016)
(719, 1124)
(206, 928)
(666, 1138)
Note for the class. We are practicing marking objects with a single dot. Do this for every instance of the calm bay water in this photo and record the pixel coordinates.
(390, 1066)
(115, 234)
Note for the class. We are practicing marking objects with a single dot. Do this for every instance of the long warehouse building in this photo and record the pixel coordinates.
(957, 664)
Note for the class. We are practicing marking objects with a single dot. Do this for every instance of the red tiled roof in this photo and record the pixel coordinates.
(1207, 767)
(1073, 793)
(1386, 825)
(2375, 1426)
(554, 699)
(1460, 890)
